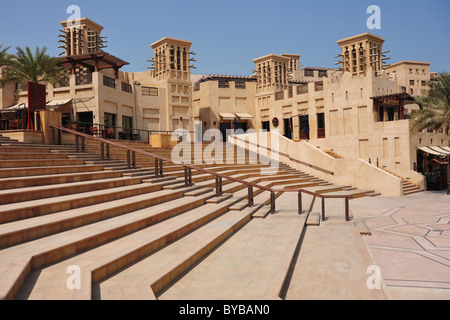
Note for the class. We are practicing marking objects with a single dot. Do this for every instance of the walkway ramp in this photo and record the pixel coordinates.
(250, 265)
(134, 234)
(332, 264)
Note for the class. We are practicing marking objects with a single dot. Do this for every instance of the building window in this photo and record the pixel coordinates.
(304, 127)
(323, 73)
(109, 82)
(318, 85)
(424, 83)
(279, 95)
(302, 89)
(411, 82)
(83, 79)
(126, 87)
(224, 84)
(149, 91)
(309, 73)
(239, 85)
(320, 125)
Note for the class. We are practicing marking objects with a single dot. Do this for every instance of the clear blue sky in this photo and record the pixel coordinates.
(228, 35)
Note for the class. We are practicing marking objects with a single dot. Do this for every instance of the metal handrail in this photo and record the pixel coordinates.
(289, 157)
(188, 172)
(119, 130)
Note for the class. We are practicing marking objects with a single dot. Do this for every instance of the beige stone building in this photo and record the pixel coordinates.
(96, 92)
(358, 111)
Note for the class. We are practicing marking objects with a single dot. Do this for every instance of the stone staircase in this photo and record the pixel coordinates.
(409, 187)
(333, 154)
(62, 211)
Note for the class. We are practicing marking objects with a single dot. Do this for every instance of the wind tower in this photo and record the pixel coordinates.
(361, 52)
(83, 38)
(172, 59)
(272, 73)
(171, 67)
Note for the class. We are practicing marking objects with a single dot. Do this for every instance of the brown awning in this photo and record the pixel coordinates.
(394, 96)
(96, 61)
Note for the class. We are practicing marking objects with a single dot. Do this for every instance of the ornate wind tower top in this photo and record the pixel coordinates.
(272, 72)
(81, 38)
(360, 52)
(172, 59)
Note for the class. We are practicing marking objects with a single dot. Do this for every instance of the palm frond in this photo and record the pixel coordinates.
(435, 106)
(37, 66)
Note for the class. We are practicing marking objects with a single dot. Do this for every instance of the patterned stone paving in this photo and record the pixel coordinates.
(410, 242)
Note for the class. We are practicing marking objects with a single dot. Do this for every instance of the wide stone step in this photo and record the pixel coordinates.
(253, 264)
(262, 212)
(99, 262)
(40, 171)
(23, 149)
(31, 155)
(325, 189)
(50, 191)
(40, 163)
(411, 191)
(17, 261)
(37, 227)
(28, 209)
(353, 194)
(148, 277)
(24, 182)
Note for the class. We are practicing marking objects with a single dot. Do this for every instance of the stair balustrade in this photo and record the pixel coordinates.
(159, 171)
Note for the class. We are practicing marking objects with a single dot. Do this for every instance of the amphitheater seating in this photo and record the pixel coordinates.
(60, 208)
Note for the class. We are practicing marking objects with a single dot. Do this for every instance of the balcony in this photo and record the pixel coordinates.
(279, 95)
(83, 79)
(109, 82)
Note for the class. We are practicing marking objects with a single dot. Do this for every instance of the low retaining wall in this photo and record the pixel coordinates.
(307, 158)
(26, 136)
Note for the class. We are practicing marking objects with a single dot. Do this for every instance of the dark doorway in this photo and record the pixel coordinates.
(266, 125)
(110, 126)
(304, 127)
(110, 120)
(420, 161)
(320, 125)
(66, 120)
(241, 125)
(287, 128)
(87, 117)
(127, 128)
(225, 129)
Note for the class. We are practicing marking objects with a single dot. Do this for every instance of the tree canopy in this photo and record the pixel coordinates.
(28, 66)
(434, 110)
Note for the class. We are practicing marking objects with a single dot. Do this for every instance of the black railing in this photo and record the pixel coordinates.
(83, 79)
(120, 133)
(159, 171)
(109, 82)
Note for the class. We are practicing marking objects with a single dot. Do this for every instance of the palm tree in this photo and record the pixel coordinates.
(27, 66)
(434, 110)
(5, 57)
(5, 61)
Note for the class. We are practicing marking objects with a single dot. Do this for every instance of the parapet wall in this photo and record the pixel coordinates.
(307, 158)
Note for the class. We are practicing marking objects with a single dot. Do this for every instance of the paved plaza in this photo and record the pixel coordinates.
(410, 242)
